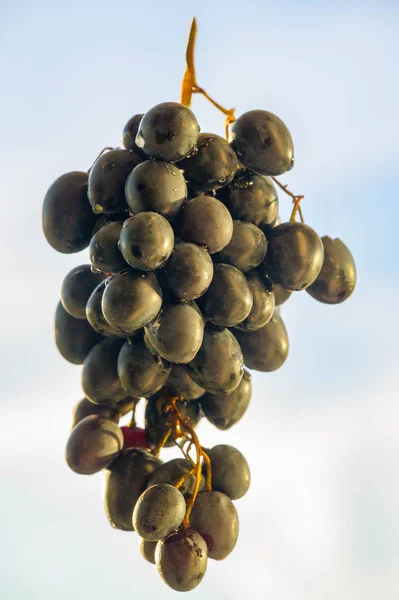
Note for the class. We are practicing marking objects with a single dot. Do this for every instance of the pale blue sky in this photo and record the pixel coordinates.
(321, 434)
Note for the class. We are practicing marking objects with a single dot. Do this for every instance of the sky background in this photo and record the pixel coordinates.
(321, 519)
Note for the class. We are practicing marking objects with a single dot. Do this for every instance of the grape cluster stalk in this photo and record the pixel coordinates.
(188, 267)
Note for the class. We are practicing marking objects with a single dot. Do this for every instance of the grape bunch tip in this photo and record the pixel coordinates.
(189, 266)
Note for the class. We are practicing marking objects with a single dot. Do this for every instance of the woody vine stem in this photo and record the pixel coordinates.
(190, 87)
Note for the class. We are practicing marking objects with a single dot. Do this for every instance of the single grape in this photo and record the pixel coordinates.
(263, 143)
(171, 471)
(125, 480)
(100, 380)
(135, 437)
(168, 131)
(206, 222)
(157, 186)
(337, 278)
(189, 271)
(246, 249)
(251, 197)
(181, 384)
(105, 255)
(85, 408)
(93, 444)
(76, 289)
(280, 294)
(131, 300)
(141, 372)
(94, 313)
(147, 550)
(295, 256)
(158, 419)
(129, 135)
(215, 518)
(159, 511)
(146, 241)
(263, 303)
(228, 300)
(74, 338)
(265, 349)
(106, 188)
(181, 559)
(67, 218)
(218, 365)
(225, 410)
(230, 471)
(213, 166)
(177, 332)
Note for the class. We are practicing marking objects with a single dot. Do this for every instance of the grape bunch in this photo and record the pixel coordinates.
(189, 265)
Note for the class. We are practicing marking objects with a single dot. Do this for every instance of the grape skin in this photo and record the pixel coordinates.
(74, 338)
(225, 410)
(100, 381)
(141, 373)
(246, 249)
(182, 559)
(189, 271)
(146, 241)
(125, 480)
(230, 471)
(181, 384)
(93, 444)
(171, 471)
(67, 218)
(94, 313)
(159, 511)
(265, 349)
(206, 222)
(105, 255)
(77, 288)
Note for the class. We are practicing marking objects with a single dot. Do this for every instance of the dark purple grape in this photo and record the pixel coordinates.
(246, 249)
(230, 471)
(107, 180)
(141, 373)
(147, 550)
(251, 197)
(168, 131)
(263, 303)
(280, 294)
(77, 288)
(228, 300)
(93, 444)
(337, 278)
(100, 380)
(171, 471)
(131, 300)
(67, 218)
(218, 366)
(181, 384)
(159, 511)
(263, 143)
(158, 419)
(105, 255)
(265, 349)
(85, 408)
(181, 559)
(213, 166)
(177, 332)
(206, 222)
(125, 481)
(156, 186)
(74, 338)
(129, 135)
(189, 271)
(94, 313)
(214, 516)
(295, 256)
(225, 410)
(146, 241)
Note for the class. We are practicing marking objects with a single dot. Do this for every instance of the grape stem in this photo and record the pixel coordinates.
(189, 83)
(295, 199)
(183, 422)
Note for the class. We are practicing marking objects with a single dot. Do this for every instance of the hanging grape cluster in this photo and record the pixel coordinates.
(189, 265)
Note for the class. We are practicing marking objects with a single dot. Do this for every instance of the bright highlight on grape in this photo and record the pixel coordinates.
(189, 265)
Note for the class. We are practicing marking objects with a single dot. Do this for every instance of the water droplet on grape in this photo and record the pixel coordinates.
(139, 140)
(97, 209)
